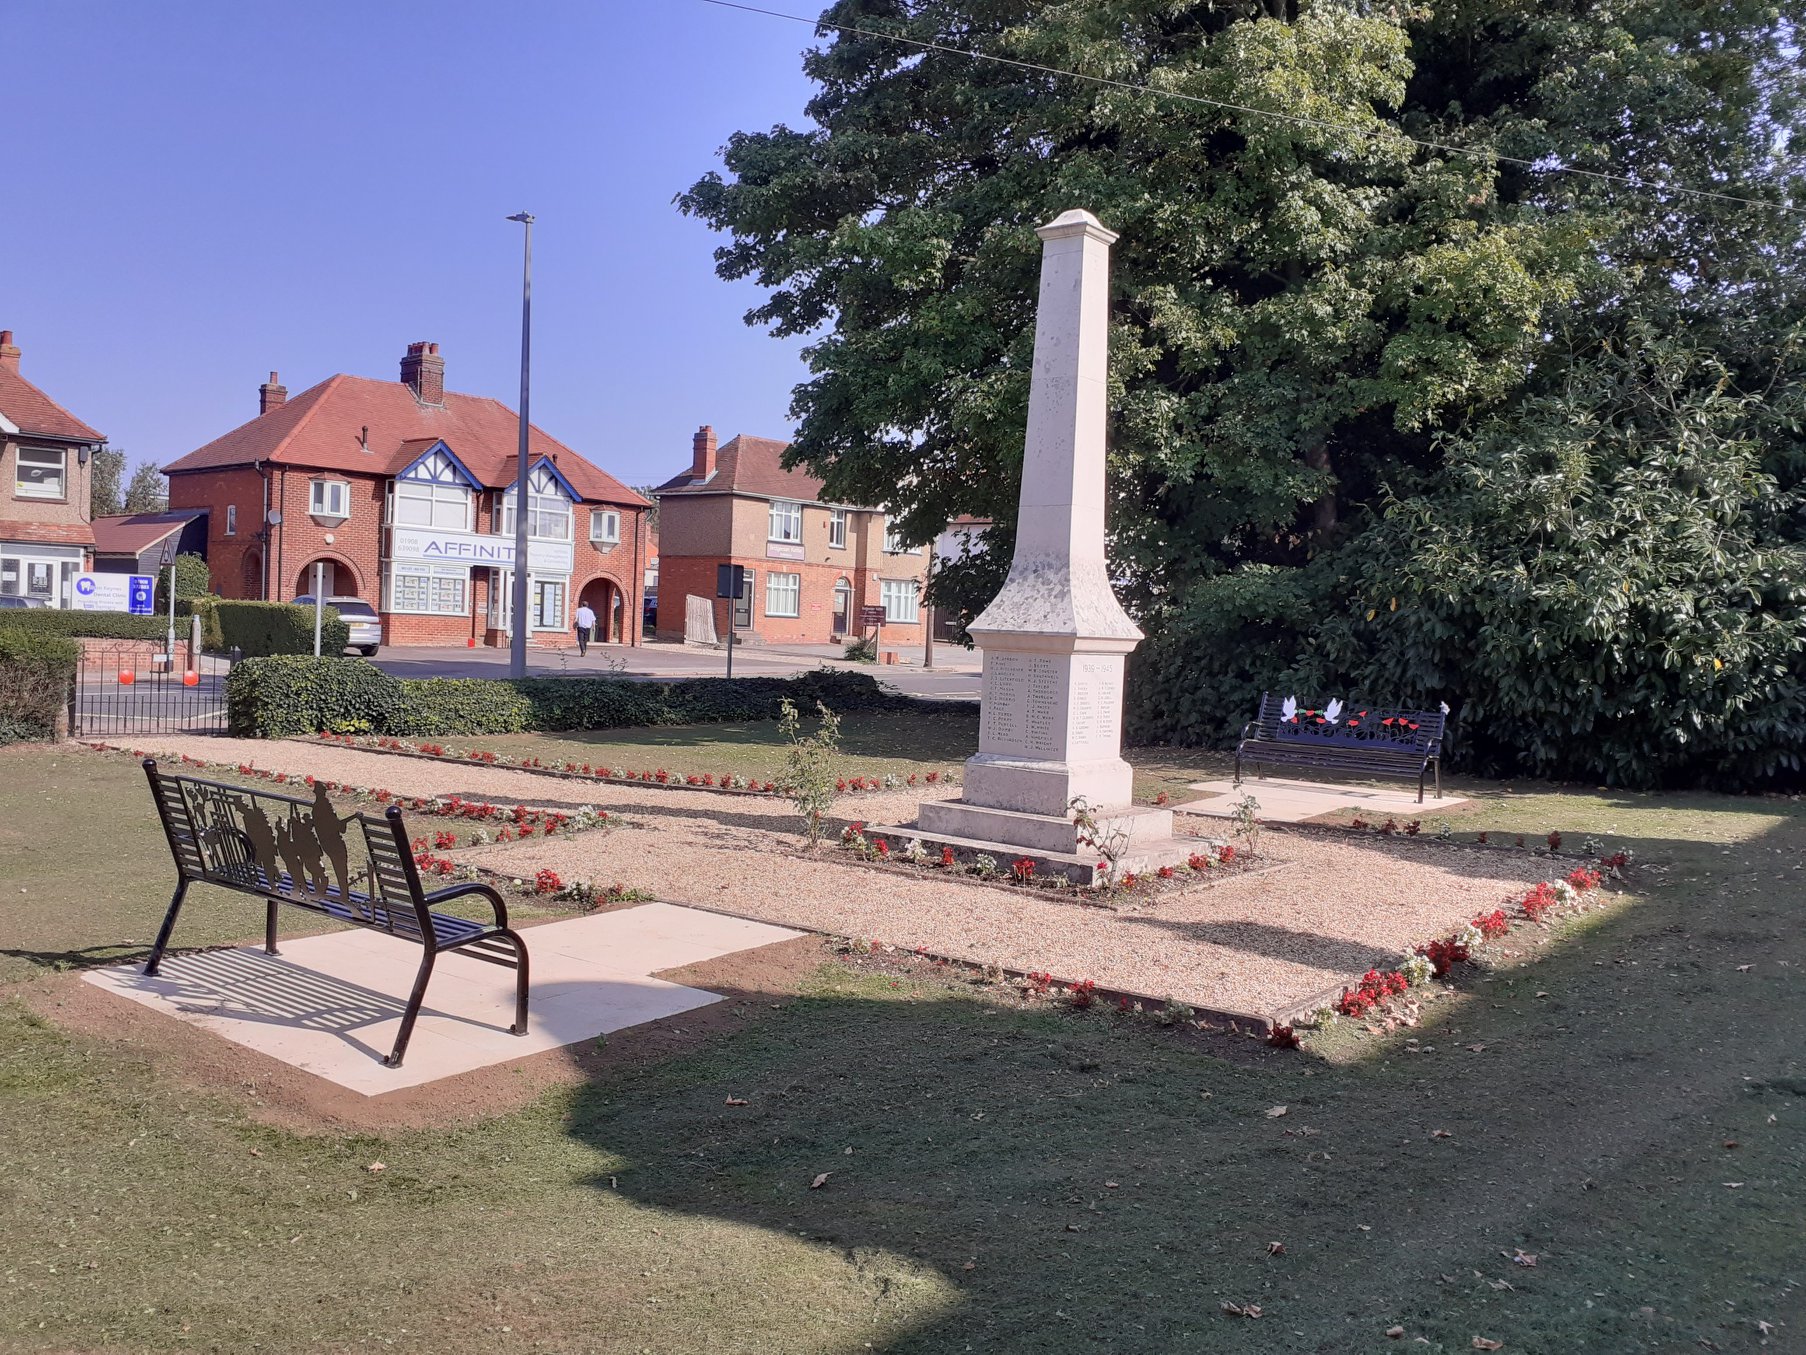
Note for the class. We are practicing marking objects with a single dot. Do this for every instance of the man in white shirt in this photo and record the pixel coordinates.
(586, 626)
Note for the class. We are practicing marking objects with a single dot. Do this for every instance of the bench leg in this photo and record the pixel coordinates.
(169, 925)
(269, 928)
(412, 1013)
(1236, 780)
(520, 983)
(1438, 766)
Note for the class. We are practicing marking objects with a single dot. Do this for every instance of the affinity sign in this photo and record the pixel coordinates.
(477, 548)
(134, 593)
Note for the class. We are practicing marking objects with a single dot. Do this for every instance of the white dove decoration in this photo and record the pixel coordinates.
(1333, 711)
(1445, 708)
(1288, 709)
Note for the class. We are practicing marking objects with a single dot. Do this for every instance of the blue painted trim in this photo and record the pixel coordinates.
(558, 475)
(406, 472)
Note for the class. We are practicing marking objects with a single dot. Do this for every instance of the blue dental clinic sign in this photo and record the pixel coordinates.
(134, 593)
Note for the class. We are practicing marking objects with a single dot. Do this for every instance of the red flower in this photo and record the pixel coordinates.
(1165, 872)
(946, 856)
(1198, 861)
(1226, 853)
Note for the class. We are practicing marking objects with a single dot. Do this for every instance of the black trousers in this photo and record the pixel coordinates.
(582, 641)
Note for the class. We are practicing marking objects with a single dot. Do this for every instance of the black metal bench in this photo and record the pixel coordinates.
(1369, 741)
(285, 849)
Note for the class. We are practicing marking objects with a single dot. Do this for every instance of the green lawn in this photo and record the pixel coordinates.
(1017, 1180)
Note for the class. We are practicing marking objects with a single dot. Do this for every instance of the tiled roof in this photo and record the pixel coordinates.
(135, 533)
(749, 465)
(48, 533)
(321, 429)
(35, 412)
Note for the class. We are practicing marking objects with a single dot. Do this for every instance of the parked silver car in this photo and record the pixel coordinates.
(366, 627)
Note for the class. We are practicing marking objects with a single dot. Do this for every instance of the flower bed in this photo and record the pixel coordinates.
(721, 782)
(1217, 861)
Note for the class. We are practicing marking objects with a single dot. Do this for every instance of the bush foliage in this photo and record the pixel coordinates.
(95, 625)
(287, 695)
(36, 670)
(264, 628)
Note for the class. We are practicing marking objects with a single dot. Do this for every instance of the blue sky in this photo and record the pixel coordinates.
(198, 193)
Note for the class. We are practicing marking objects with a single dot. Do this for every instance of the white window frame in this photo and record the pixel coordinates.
(231, 519)
(787, 590)
(433, 576)
(837, 529)
(546, 500)
(447, 505)
(901, 591)
(319, 501)
(785, 522)
(563, 585)
(609, 521)
(893, 544)
(35, 489)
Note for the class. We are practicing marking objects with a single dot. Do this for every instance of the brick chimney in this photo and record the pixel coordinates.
(702, 463)
(9, 351)
(423, 371)
(272, 394)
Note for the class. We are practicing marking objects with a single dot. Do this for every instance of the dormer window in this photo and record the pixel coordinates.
(433, 492)
(548, 507)
(329, 498)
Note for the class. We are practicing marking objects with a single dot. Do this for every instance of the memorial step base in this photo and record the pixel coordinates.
(1129, 826)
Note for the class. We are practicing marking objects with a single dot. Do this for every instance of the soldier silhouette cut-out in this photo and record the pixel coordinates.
(262, 837)
(329, 833)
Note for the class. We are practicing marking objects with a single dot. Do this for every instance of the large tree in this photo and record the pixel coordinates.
(104, 474)
(147, 492)
(1309, 304)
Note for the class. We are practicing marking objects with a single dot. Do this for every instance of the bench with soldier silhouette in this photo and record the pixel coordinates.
(1369, 741)
(355, 868)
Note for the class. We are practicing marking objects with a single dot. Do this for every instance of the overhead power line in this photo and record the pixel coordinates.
(1296, 119)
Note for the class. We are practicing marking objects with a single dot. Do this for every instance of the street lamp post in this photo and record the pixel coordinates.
(517, 647)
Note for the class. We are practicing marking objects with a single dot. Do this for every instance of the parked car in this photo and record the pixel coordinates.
(366, 627)
(8, 600)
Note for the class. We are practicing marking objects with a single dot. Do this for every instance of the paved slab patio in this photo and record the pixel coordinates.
(1284, 800)
(330, 1004)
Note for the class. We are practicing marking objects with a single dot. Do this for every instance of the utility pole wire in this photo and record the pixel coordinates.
(1297, 119)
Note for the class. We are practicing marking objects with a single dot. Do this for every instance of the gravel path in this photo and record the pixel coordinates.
(1258, 945)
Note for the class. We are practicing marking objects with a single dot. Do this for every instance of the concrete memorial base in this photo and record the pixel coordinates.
(1142, 837)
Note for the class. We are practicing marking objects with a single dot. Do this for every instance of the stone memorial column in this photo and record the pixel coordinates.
(1055, 637)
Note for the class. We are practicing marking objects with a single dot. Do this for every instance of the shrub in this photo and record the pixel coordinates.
(440, 706)
(281, 696)
(299, 695)
(192, 580)
(97, 625)
(206, 607)
(35, 675)
(263, 628)
(808, 779)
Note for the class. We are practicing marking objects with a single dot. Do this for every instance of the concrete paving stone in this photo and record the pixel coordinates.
(331, 1004)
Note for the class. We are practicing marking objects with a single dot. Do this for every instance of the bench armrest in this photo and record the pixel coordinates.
(490, 892)
(1246, 728)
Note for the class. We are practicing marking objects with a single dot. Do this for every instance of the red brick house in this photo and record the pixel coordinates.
(811, 564)
(405, 491)
(46, 532)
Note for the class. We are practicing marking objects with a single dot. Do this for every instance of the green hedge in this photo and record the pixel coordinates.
(284, 696)
(97, 625)
(264, 628)
(36, 671)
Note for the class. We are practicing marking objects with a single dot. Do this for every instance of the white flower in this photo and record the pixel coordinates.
(913, 850)
(1417, 970)
(1471, 937)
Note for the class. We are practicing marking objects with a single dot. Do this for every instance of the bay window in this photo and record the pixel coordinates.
(329, 498)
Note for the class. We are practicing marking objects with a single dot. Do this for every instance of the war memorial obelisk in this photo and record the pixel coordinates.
(1055, 638)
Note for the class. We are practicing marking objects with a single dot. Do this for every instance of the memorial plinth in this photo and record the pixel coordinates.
(1055, 637)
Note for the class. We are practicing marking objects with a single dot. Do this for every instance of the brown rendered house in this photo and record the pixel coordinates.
(403, 490)
(811, 564)
(46, 536)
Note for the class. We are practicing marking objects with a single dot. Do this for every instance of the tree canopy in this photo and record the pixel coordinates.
(1400, 402)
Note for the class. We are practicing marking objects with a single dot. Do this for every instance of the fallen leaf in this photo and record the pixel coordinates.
(257, 1152)
(736, 1101)
(1745, 968)
(1365, 1227)
(1395, 1332)
(1476, 1048)
(1524, 1258)
(1276, 1249)
(1730, 1143)
(1110, 1185)
(1764, 1327)
(1484, 1343)
(1242, 1309)
(1733, 1185)
(375, 1167)
(1274, 1112)
(970, 1265)
(1441, 1134)
(820, 1181)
